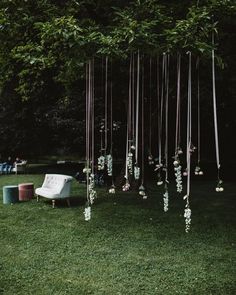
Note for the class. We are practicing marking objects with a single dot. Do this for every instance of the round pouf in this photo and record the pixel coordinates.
(10, 194)
(26, 191)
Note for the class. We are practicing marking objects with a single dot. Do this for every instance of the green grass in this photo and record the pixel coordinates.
(129, 247)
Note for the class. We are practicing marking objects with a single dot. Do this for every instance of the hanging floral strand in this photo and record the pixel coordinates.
(178, 150)
(187, 211)
(101, 158)
(89, 169)
(112, 189)
(142, 190)
(166, 194)
(159, 165)
(150, 156)
(129, 139)
(198, 170)
(219, 186)
(136, 167)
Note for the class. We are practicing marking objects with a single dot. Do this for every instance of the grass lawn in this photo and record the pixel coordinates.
(129, 247)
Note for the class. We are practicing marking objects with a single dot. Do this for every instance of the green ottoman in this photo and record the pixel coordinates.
(10, 194)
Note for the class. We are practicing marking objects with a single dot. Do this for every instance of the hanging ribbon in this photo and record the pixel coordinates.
(198, 170)
(89, 169)
(160, 118)
(219, 187)
(142, 190)
(187, 211)
(178, 150)
(166, 82)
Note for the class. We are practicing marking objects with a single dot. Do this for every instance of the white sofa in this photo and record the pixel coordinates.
(55, 186)
(20, 167)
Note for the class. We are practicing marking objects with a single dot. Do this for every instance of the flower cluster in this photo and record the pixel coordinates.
(179, 151)
(87, 170)
(87, 213)
(192, 148)
(159, 179)
(185, 173)
(158, 166)
(132, 147)
(130, 163)
(112, 189)
(219, 187)
(166, 200)
(116, 125)
(142, 192)
(136, 172)
(178, 175)
(92, 192)
(150, 160)
(126, 186)
(198, 170)
(109, 165)
(101, 163)
(187, 216)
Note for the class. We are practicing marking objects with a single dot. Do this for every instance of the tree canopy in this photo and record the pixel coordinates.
(45, 43)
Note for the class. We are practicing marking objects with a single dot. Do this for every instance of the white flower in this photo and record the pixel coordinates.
(112, 190)
(126, 186)
(86, 170)
(101, 163)
(178, 175)
(109, 165)
(136, 172)
(130, 163)
(187, 216)
(87, 213)
(166, 201)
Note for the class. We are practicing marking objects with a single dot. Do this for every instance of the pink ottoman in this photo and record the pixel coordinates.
(26, 191)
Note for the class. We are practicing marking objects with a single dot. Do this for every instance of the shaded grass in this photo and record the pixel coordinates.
(129, 247)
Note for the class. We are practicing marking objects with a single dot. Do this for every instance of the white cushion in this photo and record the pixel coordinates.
(55, 186)
(48, 193)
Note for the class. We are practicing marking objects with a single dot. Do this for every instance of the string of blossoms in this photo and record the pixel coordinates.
(136, 172)
(130, 163)
(87, 213)
(178, 175)
(101, 162)
(109, 161)
(92, 192)
(166, 200)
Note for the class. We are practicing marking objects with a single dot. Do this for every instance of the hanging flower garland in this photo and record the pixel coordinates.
(109, 162)
(136, 172)
(101, 163)
(166, 200)
(178, 150)
(89, 169)
(165, 167)
(189, 148)
(187, 216)
(87, 213)
(178, 175)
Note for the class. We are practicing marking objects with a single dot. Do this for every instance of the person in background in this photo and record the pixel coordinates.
(7, 166)
(17, 161)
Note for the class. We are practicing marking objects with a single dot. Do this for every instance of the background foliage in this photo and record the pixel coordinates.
(45, 43)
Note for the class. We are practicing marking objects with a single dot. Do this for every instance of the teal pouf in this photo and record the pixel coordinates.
(10, 194)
